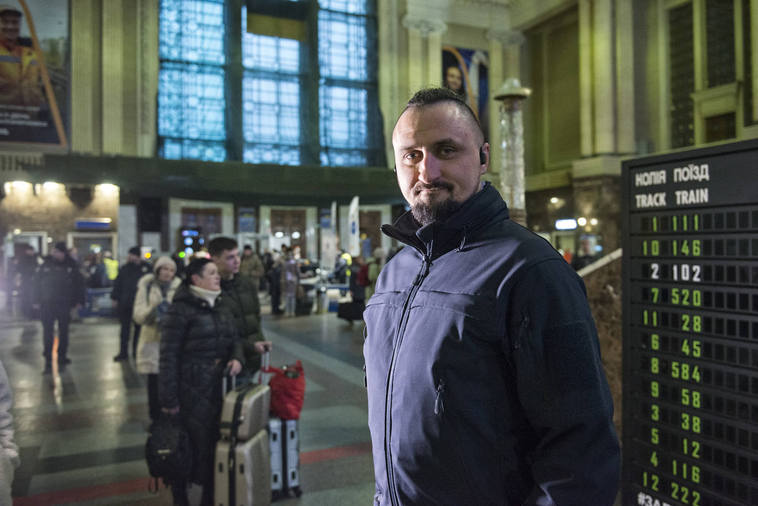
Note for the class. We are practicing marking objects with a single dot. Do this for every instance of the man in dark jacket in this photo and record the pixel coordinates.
(123, 293)
(58, 287)
(485, 384)
(239, 295)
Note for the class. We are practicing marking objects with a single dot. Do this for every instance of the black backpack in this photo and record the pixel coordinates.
(168, 451)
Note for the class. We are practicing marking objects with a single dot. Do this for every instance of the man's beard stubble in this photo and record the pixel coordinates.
(425, 213)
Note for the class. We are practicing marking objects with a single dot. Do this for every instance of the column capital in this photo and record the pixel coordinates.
(506, 37)
(425, 26)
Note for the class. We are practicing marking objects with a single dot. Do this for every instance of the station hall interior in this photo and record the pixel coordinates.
(165, 123)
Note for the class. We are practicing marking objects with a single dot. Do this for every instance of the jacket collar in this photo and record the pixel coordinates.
(439, 237)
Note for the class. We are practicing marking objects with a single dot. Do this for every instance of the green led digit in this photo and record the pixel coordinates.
(696, 374)
(684, 222)
(695, 474)
(697, 323)
(685, 346)
(674, 247)
(675, 296)
(674, 369)
(654, 438)
(695, 348)
(686, 322)
(654, 458)
(696, 298)
(674, 222)
(696, 247)
(696, 424)
(654, 365)
(685, 421)
(654, 291)
(685, 371)
(654, 389)
(697, 221)
(655, 412)
(695, 399)
(655, 224)
(695, 497)
(685, 396)
(691, 448)
(674, 490)
(655, 342)
(685, 247)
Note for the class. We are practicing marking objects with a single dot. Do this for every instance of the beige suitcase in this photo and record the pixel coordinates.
(242, 475)
(251, 405)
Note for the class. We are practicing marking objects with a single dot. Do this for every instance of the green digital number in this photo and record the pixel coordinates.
(690, 423)
(653, 249)
(654, 458)
(654, 389)
(691, 398)
(654, 436)
(691, 448)
(650, 318)
(655, 412)
(654, 365)
(655, 342)
(654, 292)
(650, 481)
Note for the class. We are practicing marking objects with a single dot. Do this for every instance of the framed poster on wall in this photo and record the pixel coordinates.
(34, 76)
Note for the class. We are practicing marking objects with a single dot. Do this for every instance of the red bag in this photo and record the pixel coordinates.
(287, 390)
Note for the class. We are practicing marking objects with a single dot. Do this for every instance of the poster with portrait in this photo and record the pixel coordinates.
(465, 71)
(34, 76)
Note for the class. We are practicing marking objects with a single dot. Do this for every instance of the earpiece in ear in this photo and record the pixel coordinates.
(482, 157)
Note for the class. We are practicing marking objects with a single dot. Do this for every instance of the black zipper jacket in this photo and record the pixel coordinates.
(483, 370)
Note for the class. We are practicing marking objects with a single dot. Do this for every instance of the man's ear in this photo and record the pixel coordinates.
(484, 158)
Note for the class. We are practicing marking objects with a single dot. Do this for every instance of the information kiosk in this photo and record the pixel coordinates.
(690, 391)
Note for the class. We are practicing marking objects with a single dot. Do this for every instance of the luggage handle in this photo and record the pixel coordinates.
(224, 384)
(264, 376)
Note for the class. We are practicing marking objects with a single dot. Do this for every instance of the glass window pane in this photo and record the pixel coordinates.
(349, 6)
(271, 110)
(192, 31)
(342, 48)
(274, 54)
(191, 102)
(270, 153)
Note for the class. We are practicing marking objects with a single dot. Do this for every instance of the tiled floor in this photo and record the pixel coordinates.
(82, 436)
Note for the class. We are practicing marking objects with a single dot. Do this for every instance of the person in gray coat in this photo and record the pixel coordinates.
(483, 370)
(9, 460)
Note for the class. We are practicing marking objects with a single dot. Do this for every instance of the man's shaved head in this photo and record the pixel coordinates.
(430, 96)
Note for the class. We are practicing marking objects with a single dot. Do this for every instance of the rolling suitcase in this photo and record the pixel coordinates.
(242, 471)
(284, 439)
(248, 407)
(241, 474)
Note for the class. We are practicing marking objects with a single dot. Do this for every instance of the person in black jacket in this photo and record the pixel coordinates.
(123, 293)
(240, 298)
(58, 287)
(483, 370)
(199, 341)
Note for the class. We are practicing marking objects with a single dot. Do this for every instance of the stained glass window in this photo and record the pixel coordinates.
(306, 97)
(271, 87)
(191, 99)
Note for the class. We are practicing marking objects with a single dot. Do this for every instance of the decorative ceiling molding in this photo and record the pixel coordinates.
(425, 26)
(506, 37)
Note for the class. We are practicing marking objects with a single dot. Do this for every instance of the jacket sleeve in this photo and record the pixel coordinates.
(145, 302)
(117, 286)
(562, 388)
(173, 334)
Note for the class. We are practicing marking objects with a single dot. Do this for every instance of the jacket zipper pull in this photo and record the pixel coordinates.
(439, 401)
(423, 272)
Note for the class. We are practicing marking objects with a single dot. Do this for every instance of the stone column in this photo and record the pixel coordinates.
(504, 52)
(754, 55)
(418, 30)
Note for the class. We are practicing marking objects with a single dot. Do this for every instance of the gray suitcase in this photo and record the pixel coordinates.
(251, 403)
(284, 439)
(242, 475)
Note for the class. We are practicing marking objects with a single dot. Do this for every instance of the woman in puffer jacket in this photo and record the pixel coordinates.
(198, 343)
(154, 294)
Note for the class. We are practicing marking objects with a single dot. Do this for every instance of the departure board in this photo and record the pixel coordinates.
(690, 328)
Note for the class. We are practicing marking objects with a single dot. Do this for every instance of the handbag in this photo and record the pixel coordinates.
(287, 390)
(168, 450)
